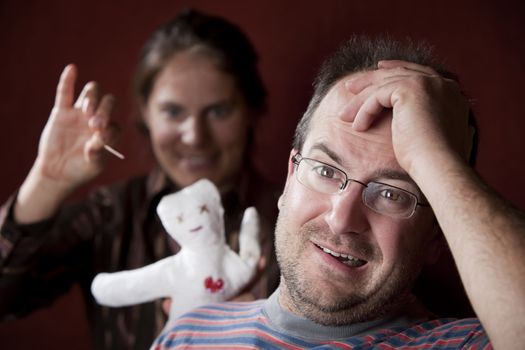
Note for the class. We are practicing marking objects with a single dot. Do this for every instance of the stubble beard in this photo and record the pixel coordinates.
(386, 299)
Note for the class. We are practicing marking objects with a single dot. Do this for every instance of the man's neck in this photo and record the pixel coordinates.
(288, 322)
(406, 306)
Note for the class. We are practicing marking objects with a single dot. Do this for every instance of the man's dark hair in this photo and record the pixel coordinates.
(362, 53)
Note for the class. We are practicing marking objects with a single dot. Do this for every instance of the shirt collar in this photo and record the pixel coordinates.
(303, 328)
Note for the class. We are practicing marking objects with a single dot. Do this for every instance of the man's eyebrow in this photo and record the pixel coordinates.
(378, 174)
(392, 174)
(324, 148)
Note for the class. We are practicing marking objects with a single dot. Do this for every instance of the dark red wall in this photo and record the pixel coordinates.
(483, 42)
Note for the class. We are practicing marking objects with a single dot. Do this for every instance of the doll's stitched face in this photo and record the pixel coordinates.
(193, 216)
(195, 223)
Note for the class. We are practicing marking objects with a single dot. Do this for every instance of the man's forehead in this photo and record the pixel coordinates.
(373, 146)
(336, 98)
(328, 115)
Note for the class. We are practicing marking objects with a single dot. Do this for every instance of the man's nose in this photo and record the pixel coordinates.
(347, 212)
(192, 130)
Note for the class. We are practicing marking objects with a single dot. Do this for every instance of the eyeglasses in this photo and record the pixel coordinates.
(380, 197)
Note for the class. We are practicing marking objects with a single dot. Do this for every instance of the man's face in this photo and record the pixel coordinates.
(315, 229)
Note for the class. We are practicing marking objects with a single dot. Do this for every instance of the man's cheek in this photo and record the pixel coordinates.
(303, 203)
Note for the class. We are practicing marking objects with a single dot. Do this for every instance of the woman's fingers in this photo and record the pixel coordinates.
(93, 147)
(91, 109)
(103, 113)
(166, 306)
(66, 87)
(261, 265)
(88, 99)
(106, 106)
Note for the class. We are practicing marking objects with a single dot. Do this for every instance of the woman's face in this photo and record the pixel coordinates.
(198, 121)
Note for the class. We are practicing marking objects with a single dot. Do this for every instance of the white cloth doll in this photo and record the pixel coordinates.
(204, 270)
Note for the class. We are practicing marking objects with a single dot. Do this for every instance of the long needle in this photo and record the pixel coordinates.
(113, 151)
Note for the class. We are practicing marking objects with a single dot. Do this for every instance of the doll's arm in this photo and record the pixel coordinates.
(249, 246)
(134, 286)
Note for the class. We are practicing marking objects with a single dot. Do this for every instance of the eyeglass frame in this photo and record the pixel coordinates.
(298, 157)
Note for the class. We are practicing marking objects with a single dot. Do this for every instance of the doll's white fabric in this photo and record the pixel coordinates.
(204, 270)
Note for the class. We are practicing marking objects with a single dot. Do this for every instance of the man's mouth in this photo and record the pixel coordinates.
(346, 259)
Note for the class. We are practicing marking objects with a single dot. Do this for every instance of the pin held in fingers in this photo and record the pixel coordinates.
(113, 151)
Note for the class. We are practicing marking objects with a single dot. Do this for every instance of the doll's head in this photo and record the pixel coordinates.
(193, 216)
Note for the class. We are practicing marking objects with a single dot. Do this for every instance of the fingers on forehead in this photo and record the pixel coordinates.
(389, 64)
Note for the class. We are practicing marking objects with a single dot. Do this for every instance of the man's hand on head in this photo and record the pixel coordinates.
(429, 112)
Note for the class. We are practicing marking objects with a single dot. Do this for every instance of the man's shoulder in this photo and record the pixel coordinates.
(224, 311)
(438, 333)
(246, 323)
(204, 324)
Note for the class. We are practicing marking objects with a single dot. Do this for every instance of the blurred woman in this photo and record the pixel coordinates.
(199, 94)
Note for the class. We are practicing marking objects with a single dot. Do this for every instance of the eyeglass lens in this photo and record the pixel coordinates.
(380, 197)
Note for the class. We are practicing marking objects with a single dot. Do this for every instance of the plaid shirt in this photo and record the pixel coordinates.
(116, 228)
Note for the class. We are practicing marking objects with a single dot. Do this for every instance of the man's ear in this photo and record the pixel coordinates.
(291, 165)
(280, 202)
(289, 174)
(435, 244)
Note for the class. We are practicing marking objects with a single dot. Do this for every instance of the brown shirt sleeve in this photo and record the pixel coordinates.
(40, 261)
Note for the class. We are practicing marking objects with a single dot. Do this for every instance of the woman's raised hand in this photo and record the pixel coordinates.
(71, 148)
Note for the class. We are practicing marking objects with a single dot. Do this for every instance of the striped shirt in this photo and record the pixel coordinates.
(256, 325)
